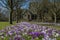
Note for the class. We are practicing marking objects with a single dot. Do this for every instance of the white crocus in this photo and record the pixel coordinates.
(56, 35)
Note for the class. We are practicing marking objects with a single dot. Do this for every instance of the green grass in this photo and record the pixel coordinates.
(4, 24)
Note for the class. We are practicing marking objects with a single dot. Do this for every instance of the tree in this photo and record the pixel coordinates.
(10, 4)
(55, 10)
(19, 3)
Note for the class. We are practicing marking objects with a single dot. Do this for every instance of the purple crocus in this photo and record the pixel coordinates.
(10, 32)
(18, 37)
(34, 34)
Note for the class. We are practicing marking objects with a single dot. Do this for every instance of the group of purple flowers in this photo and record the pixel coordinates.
(28, 31)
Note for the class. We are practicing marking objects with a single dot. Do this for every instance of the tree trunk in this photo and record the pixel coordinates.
(11, 6)
(42, 17)
(54, 13)
(55, 18)
(16, 17)
(38, 18)
(17, 12)
(11, 17)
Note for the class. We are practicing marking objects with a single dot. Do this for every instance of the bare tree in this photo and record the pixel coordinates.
(10, 4)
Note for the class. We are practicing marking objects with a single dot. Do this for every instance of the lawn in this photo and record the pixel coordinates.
(4, 24)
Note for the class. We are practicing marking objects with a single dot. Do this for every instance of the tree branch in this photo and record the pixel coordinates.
(4, 6)
(4, 2)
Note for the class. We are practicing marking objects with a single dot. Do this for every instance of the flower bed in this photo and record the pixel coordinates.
(27, 31)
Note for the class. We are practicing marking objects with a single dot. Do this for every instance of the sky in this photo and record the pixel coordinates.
(25, 5)
(5, 11)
